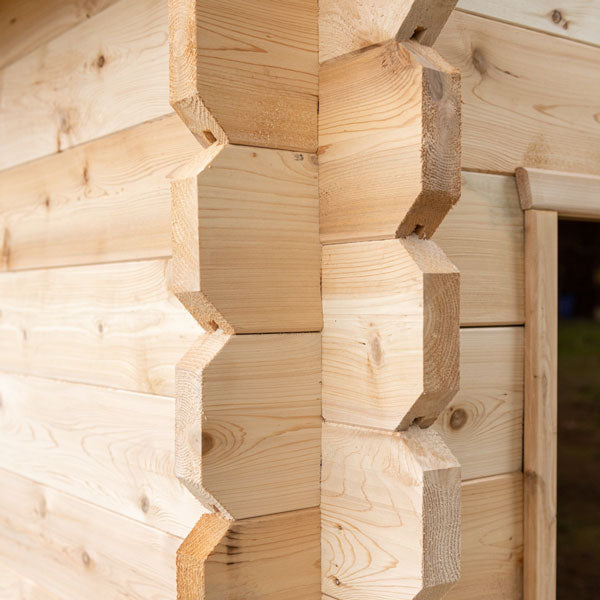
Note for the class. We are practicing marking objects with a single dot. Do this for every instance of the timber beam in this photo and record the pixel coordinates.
(389, 172)
(244, 77)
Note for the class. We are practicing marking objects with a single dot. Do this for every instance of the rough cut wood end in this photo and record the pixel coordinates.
(391, 333)
(256, 76)
(390, 514)
(248, 420)
(389, 143)
(262, 558)
(346, 25)
(246, 251)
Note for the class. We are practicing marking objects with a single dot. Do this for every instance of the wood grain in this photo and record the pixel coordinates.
(541, 403)
(249, 65)
(390, 333)
(262, 558)
(390, 514)
(248, 422)
(27, 24)
(245, 232)
(530, 99)
(114, 325)
(102, 222)
(76, 550)
(575, 196)
(15, 587)
(575, 19)
(112, 448)
(492, 539)
(483, 424)
(346, 25)
(483, 236)
(106, 74)
(389, 161)
(104, 201)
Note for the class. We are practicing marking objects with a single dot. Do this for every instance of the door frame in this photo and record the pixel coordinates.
(545, 197)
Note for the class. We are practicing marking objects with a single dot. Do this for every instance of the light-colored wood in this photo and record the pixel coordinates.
(262, 558)
(246, 241)
(249, 65)
(571, 195)
(492, 540)
(389, 160)
(346, 25)
(106, 74)
(27, 24)
(76, 550)
(100, 222)
(540, 436)
(104, 201)
(483, 236)
(15, 587)
(390, 514)
(248, 422)
(575, 19)
(390, 333)
(483, 424)
(530, 99)
(112, 448)
(115, 325)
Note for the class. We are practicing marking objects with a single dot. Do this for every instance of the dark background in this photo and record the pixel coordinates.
(578, 575)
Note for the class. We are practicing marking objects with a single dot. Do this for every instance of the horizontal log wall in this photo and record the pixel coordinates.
(90, 334)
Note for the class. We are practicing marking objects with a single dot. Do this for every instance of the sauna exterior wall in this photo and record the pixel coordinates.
(90, 334)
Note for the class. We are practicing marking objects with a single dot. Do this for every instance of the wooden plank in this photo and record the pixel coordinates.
(251, 65)
(76, 550)
(109, 447)
(540, 436)
(15, 587)
(245, 231)
(248, 424)
(104, 201)
(346, 25)
(101, 222)
(113, 325)
(389, 161)
(492, 540)
(571, 195)
(390, 333)
(262, 558)
(483, 237)
(390, 514)
(483, 424)
(27, 24)
(575, 19)
(106, 74)
(530, 100)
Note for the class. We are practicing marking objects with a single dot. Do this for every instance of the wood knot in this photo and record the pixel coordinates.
(101, 61)
(298, 156)
(337, 581)
(479, 61)
(458, 418)
(208, 443)
(145, 503)
(85, 559)
(375, 350)
(556, 16)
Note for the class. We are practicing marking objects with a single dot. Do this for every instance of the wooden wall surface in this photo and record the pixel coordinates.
(89, 333)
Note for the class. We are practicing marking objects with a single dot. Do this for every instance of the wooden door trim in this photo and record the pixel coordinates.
(545, 196)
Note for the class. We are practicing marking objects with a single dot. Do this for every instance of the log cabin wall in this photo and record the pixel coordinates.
(90, 334)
